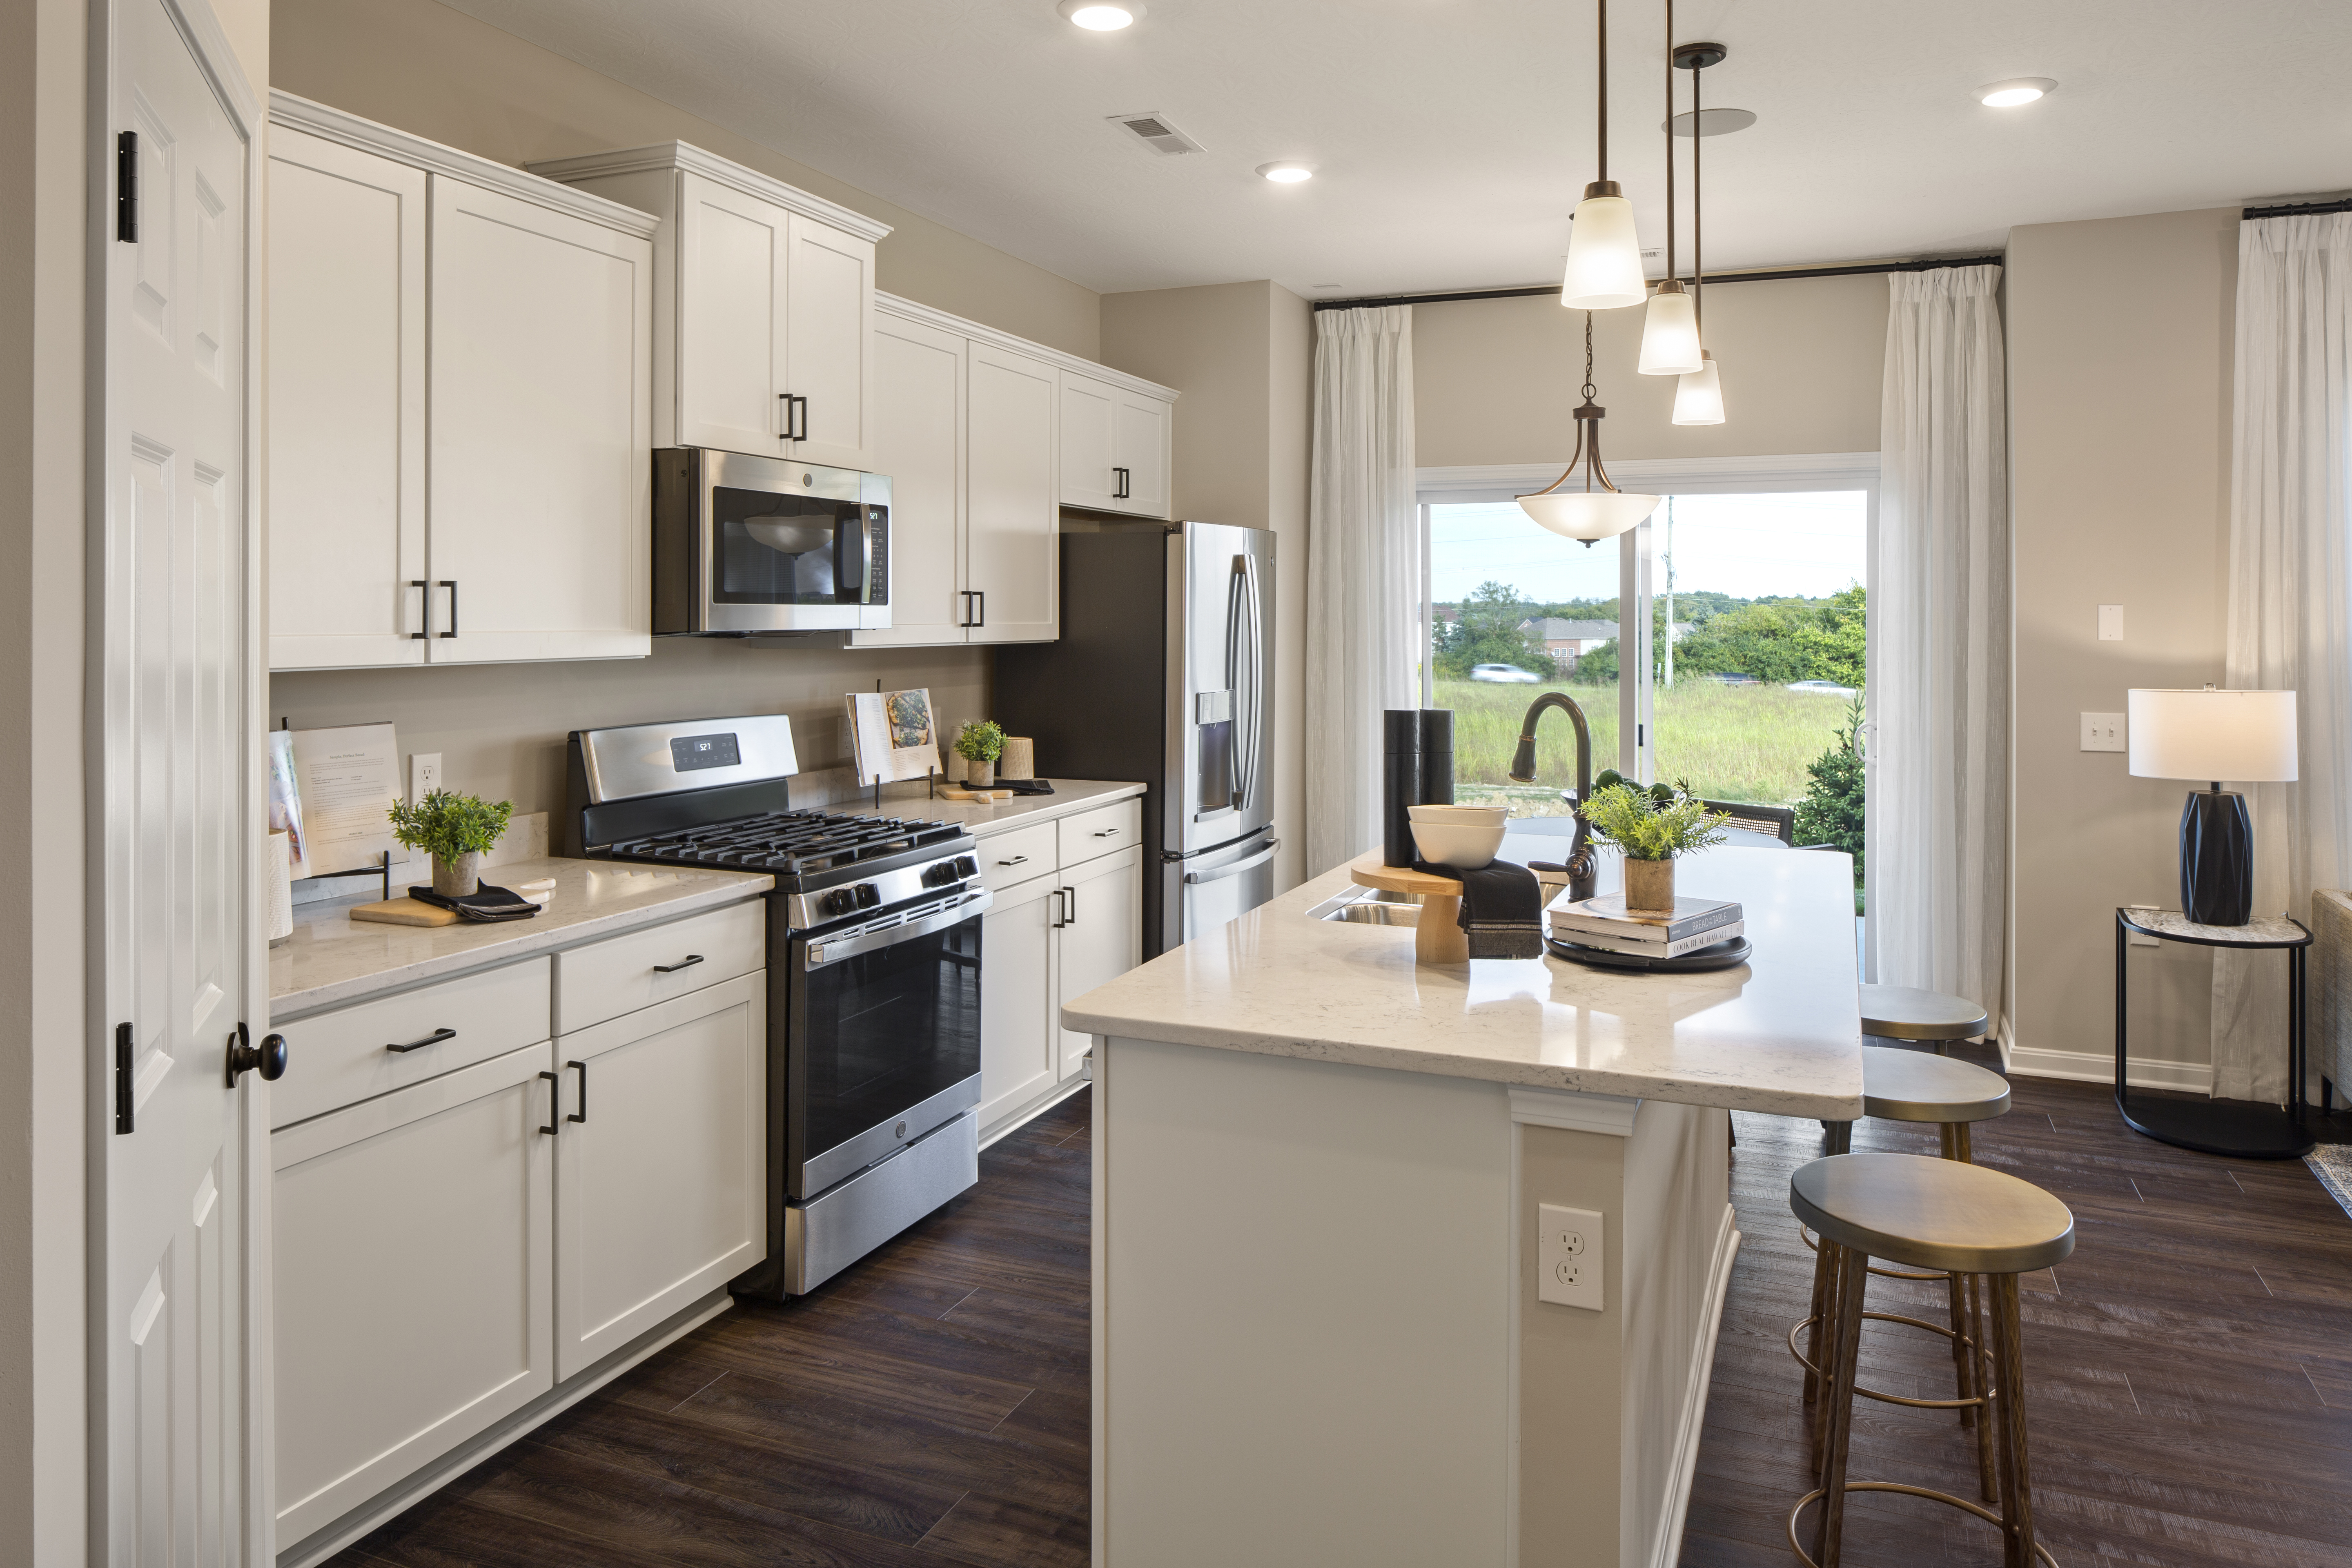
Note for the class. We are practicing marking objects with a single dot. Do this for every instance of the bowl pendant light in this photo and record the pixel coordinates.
(1699, 395)
(1590, 513)
(1604, 253)
(1670, 325)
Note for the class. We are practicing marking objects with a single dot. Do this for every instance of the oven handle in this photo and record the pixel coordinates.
(827, 951)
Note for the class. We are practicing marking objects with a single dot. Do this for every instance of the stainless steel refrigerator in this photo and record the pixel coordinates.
(1164, 672)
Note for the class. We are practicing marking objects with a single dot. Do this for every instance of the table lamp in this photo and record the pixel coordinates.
(2247, 736)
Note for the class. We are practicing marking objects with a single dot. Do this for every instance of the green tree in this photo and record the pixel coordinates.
(1487, 631)
(1833, 645)
(1831, 812)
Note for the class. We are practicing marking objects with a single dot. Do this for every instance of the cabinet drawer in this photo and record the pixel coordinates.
(1007, 859)
(339, 1058)
(1088, 834)
(623, 973)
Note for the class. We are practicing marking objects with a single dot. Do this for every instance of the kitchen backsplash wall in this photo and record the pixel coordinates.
(500, 728)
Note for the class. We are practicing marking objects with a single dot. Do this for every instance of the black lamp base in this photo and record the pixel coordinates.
(2217, 858)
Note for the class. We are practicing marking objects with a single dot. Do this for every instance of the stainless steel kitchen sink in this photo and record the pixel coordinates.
(1371, 907)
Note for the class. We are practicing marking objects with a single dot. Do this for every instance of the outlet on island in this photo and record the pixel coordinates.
(1569, 1257)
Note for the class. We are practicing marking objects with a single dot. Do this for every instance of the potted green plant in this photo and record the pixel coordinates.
(1652, 827)
(456, 830)
(980, 743)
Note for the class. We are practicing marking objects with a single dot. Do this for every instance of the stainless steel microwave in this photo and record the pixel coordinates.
(745, 544)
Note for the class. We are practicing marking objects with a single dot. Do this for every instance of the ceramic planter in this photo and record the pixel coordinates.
(979, 774)
(459, 877)
(1650, 886)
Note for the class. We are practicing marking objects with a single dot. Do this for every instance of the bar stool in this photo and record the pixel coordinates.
(1950, 1217)
(1912, 1086)
(1907, 1012)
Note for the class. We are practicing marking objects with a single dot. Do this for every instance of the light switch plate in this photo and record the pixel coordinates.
(2103, 733)
(1568, 1258)
(424, 775)
(2111, 623)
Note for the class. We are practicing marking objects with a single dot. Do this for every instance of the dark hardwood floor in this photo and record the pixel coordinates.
(2191, 1386)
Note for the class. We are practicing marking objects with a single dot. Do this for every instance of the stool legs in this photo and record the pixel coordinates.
(2009, 1405)
(1852, 1271)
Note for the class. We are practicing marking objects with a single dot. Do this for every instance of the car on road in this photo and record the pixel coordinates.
(1505, 674)
(1824, 688)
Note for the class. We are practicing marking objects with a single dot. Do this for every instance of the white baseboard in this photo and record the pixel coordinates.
(1668, 1549)
(1028, 1113)
(2099, 1067)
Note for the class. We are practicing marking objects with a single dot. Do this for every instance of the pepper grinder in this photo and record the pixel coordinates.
(1399, 782)
(1437, 756)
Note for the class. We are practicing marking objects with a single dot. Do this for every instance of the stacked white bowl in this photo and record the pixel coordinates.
(1462, 836)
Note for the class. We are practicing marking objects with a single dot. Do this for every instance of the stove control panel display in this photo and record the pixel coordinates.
(689, 752)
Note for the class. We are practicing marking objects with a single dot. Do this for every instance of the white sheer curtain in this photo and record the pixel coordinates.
(1363, 572)
(2290, 553)
(1940, 810)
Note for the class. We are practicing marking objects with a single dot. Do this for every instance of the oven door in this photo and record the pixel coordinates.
(882, 1039)
(761, 545)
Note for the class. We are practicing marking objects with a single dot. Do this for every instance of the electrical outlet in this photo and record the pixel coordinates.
(2111, 623)
(1568, 1258)
(424, 775)
(2103, 733)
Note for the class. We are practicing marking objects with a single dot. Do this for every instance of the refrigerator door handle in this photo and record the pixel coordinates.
(1236, 674)
(1255, 609)
(1249, 863)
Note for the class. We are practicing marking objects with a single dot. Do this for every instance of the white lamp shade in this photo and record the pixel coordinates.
(1588, 515)
(1670, 334)
(1604, 257)
(2243, 737)
(1698, 396)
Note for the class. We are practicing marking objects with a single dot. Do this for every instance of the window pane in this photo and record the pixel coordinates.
(1517, 612)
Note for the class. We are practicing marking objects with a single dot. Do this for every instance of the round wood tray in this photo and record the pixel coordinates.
(1437, 936)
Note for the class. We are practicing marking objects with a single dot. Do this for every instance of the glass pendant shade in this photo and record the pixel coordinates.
(1670, 333)
(1588, 515)
(1604, 255)
(1698, 396)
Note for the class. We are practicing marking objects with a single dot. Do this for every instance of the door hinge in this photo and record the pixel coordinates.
(126, 203)
(122, 1053)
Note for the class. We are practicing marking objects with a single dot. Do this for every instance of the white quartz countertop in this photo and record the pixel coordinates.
(332, 959)
(1021, 811)
(1781, 1033)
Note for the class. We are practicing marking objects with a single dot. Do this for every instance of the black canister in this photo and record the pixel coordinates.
(1399, 782)
(1437, 756)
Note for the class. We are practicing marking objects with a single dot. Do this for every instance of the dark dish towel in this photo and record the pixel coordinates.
(484, 903)
(1502, 908)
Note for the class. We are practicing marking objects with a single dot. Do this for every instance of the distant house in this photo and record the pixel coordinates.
(1567, 641)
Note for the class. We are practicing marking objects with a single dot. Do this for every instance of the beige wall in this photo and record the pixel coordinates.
(1242, 354)
(1494, 380)
(427, 68)
(2119, 368)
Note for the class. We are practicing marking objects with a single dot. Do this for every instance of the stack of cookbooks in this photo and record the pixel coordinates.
(1606, 924)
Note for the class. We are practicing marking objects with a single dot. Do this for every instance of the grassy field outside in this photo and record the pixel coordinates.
(1732, 743)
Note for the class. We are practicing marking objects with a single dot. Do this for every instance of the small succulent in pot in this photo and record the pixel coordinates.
(456, 830)
(980, 743)
(1652, 827)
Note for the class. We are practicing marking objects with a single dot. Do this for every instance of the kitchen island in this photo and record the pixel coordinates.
(1319, 1170)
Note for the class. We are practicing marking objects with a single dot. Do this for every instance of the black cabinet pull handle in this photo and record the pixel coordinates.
(450, 584)
(804, 422)
(1120, 490)
(435, 1038)
(554, 1105)
(982, 595)
(269, 1059)
(786, 414)
(1058, 922)
(1071, 915)
(124, 1051)
(1016, 860)
(424, 599)
(581, 1115)
(795, 417)
(690, 960)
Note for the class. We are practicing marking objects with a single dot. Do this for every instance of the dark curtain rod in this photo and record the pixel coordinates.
(1857, 271)
(2300, 209)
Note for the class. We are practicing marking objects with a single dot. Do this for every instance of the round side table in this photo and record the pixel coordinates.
(2241, 1129)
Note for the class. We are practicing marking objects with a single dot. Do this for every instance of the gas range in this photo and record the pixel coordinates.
(829, 866)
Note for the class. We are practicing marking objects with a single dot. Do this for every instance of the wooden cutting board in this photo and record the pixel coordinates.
(989, 795)
(404, 912)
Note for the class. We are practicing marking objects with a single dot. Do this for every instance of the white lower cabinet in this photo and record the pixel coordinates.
(1019, 1057)
(414, 1251)
(660, 1166)
(1101, 936)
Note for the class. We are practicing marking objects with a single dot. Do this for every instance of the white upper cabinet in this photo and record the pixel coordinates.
(460, 406)
(763, 301)
(918, 441)
(346, 405)
(1011, 540)
(1116, 446)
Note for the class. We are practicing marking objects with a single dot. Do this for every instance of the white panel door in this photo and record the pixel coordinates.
(538, 541)
(661, 1167)
(415, 1259)
(180, 1443)
(1087, 409)
(346, 407)
(918, 423)
(1019, 1035)
(829, 343)
(1140, 448)
(1012, 505)
(1101, 935)
(731, 320)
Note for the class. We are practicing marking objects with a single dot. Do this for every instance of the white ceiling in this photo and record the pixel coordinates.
(1453, 136)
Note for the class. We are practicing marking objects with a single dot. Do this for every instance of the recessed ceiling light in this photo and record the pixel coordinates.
(1102, 16)
(2017, 89)
(1287, 172)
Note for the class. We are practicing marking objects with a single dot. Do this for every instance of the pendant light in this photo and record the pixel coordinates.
(1699, 395)
(1670, 325)
(1587, 514)
(1604, 255)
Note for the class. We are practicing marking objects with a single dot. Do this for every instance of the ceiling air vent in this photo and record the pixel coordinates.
(1155, 133)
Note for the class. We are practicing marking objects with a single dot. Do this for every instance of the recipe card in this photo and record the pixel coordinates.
(346, 783)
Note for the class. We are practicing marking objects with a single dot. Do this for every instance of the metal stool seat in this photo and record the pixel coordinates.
(1949, 1218)
(1907, 1012)
(1912, 1086)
